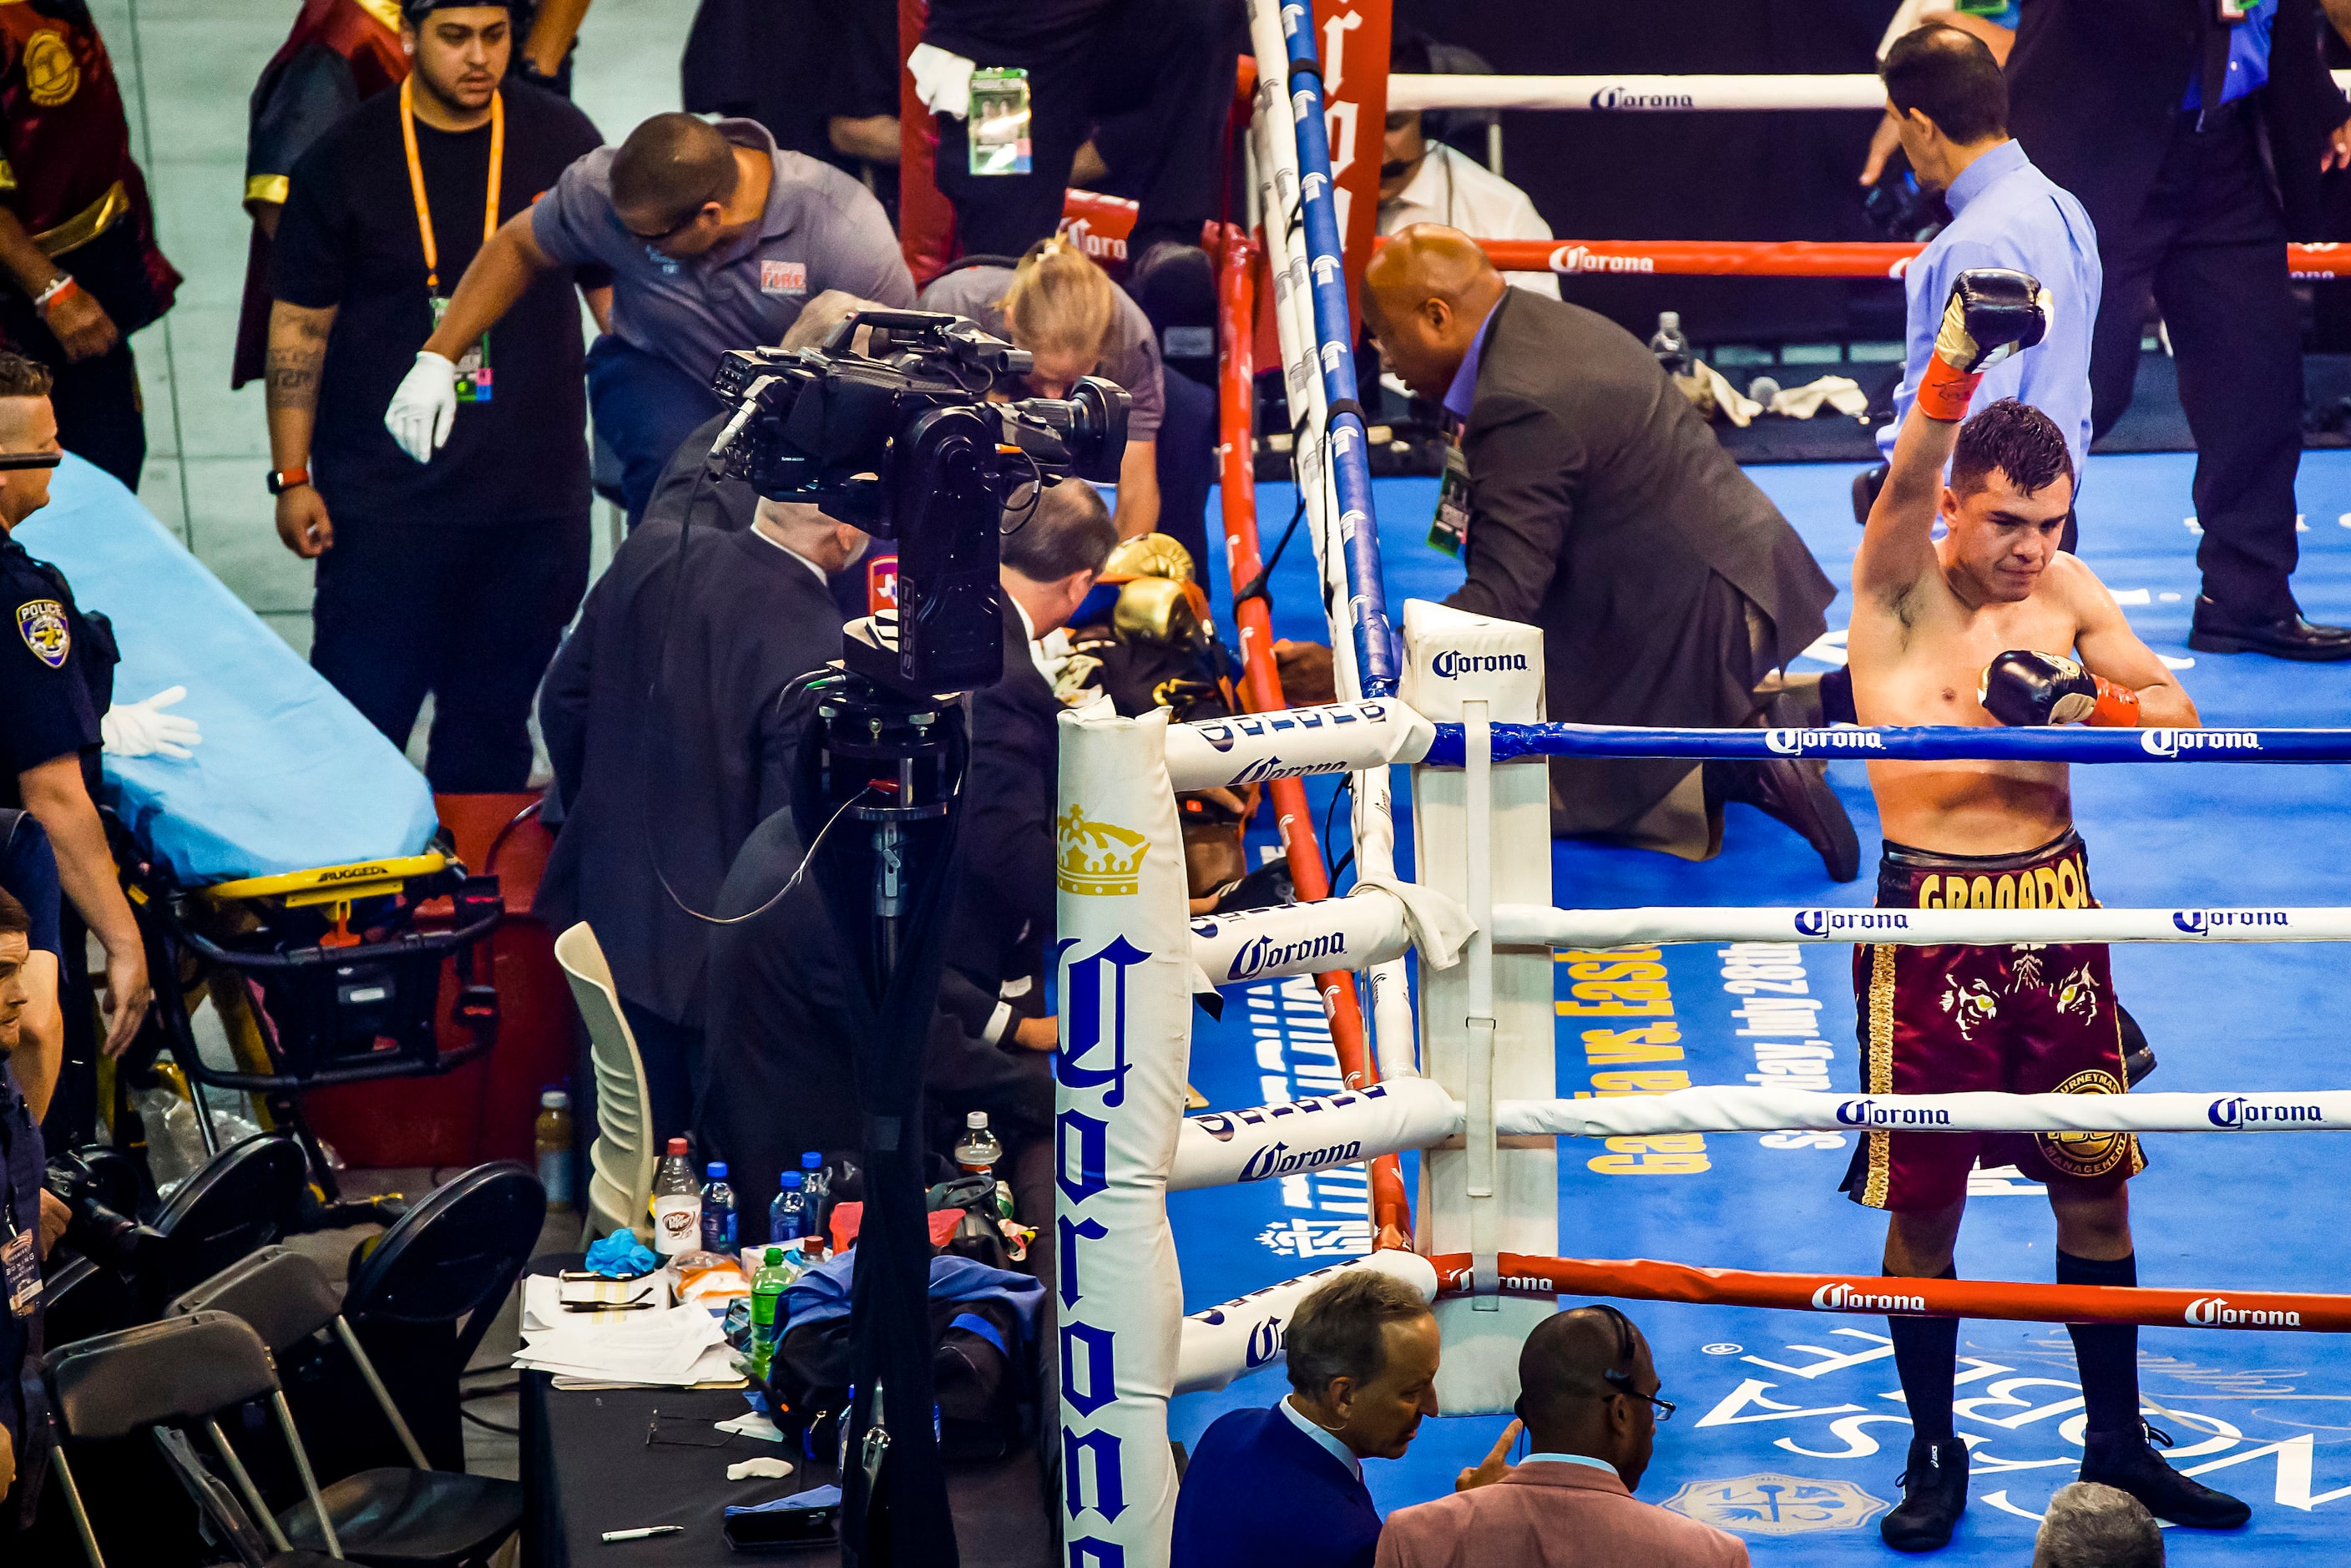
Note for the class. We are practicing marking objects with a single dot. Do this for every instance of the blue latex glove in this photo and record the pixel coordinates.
(826, 1496)
(621, 1256)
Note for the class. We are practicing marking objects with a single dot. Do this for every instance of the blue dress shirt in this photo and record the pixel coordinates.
(2006, 212)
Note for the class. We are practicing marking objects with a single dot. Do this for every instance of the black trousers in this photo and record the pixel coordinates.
(468, 611)
(1156, 76)
(2211, 246)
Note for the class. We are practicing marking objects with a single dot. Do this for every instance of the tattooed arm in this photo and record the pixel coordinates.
(298, 353)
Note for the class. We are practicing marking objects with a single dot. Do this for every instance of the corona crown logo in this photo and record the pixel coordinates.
(1099, 859)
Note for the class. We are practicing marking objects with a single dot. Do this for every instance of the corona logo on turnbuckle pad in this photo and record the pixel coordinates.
(1841, 1297)
(1794, 742)
(1097, 859)
(2173, 742)
(1449, 665)
(1277, 1159)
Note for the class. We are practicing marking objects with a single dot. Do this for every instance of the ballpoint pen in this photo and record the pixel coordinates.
(641, 1534)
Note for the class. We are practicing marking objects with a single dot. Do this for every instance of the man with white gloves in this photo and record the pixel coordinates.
(714, 238)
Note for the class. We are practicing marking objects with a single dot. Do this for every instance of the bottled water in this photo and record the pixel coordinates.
(788, 1215)
(718, 1224)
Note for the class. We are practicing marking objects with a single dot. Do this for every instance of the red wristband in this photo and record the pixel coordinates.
(65, 288)
(1944, 390)
(2117, 706)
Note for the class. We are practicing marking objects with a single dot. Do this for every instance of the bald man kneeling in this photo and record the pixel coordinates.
(1589, 1402)
(1602, 509)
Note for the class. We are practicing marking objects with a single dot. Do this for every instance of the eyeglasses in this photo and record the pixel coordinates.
(1623, 1383)
(30, 460)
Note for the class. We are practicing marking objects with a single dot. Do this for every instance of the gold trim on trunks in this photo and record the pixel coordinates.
(1881, 1068)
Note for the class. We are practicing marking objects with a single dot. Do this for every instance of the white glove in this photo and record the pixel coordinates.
(143, 728)
(424, 407)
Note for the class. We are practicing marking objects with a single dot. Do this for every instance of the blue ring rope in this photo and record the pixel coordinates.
(1350, 448)
(1925, 743)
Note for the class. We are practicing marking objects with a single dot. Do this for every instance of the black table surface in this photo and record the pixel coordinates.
(588, 1468)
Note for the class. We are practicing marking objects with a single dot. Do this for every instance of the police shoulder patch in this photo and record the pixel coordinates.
(41, 623)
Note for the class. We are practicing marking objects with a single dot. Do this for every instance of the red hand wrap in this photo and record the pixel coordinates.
(1944, 389)
(2117, 706)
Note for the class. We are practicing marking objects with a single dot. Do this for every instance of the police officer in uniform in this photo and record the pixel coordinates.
(56, 682)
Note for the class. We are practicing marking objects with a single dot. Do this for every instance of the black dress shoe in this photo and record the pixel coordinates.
(1934, 1494)
(2124, 1461)
(2214, 630)
(1798, 794)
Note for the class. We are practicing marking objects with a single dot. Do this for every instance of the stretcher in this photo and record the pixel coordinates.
(291, 867)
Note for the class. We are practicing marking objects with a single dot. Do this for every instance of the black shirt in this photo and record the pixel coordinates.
(348, 238)
(56, 670)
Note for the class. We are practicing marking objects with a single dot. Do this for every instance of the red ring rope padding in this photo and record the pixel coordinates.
(1639, 1278)
(1261, 690)
(1783, 258)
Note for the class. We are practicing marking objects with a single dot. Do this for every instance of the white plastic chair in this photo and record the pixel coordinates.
(622, 1159)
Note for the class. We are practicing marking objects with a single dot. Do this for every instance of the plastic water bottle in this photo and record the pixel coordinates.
(817, 1183)
(978, 1152)
(552, 1133)
(677, 1204)
(718, 1211)
(767, 1287)
(1673, 350)
(788, 1216)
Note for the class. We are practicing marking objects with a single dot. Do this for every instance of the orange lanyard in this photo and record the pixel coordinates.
(416, 176)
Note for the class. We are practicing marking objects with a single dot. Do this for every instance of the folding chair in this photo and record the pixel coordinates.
(620, 1161)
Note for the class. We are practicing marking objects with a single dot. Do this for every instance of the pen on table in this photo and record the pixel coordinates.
(642, 1534)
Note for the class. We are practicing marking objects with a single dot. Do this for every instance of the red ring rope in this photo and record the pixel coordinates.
(1781, 258)
(1641, 1280)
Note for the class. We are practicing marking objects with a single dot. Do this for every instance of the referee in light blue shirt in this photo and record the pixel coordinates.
(1951, 107)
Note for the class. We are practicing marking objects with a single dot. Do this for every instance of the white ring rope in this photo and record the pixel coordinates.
(1519, 925)
(1730, 1109)
(1648, 94)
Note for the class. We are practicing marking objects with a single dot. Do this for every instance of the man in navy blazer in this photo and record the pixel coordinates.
(1283, 1488)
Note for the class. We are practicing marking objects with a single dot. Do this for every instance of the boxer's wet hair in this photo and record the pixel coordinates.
(2017, 440)
(1950, 78)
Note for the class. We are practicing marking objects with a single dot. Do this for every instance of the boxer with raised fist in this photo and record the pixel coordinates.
(1992, 624)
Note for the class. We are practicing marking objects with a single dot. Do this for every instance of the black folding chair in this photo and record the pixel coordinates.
(388, 1517)
(166, 1378)
(248, 1196)
(422, 1294)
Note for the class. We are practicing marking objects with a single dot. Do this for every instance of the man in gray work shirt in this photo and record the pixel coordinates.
(714, 238)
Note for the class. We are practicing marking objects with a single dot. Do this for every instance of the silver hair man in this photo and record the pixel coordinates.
(2094, 1526)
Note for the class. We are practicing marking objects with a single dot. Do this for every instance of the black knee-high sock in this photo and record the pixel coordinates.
(2107, 1353)
(1925, 1352)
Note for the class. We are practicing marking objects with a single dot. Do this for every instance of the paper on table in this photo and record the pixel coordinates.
(672, 1348)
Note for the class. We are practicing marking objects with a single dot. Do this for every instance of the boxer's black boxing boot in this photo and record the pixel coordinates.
(1934, 1494)
(2126, 1462)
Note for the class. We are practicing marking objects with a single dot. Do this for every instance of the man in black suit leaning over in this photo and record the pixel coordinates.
(668, 719)
(2197, 144)
(1049, 563)
(1602, 510)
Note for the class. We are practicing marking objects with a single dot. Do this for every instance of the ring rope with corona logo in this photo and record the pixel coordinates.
(1917, 743)
(1641, 1280)
(1779, 258)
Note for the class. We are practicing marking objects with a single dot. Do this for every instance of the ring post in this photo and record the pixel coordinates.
(1452, 659)
(1124, 972)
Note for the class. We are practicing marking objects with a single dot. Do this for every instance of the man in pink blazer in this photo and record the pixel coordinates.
(1589, 1399)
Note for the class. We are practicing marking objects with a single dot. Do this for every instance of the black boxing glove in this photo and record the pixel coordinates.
(2022, 688)
(1992, 312)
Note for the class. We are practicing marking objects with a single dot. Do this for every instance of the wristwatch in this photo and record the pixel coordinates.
(284, 479)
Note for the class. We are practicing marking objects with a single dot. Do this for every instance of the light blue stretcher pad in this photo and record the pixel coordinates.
(290, 777)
